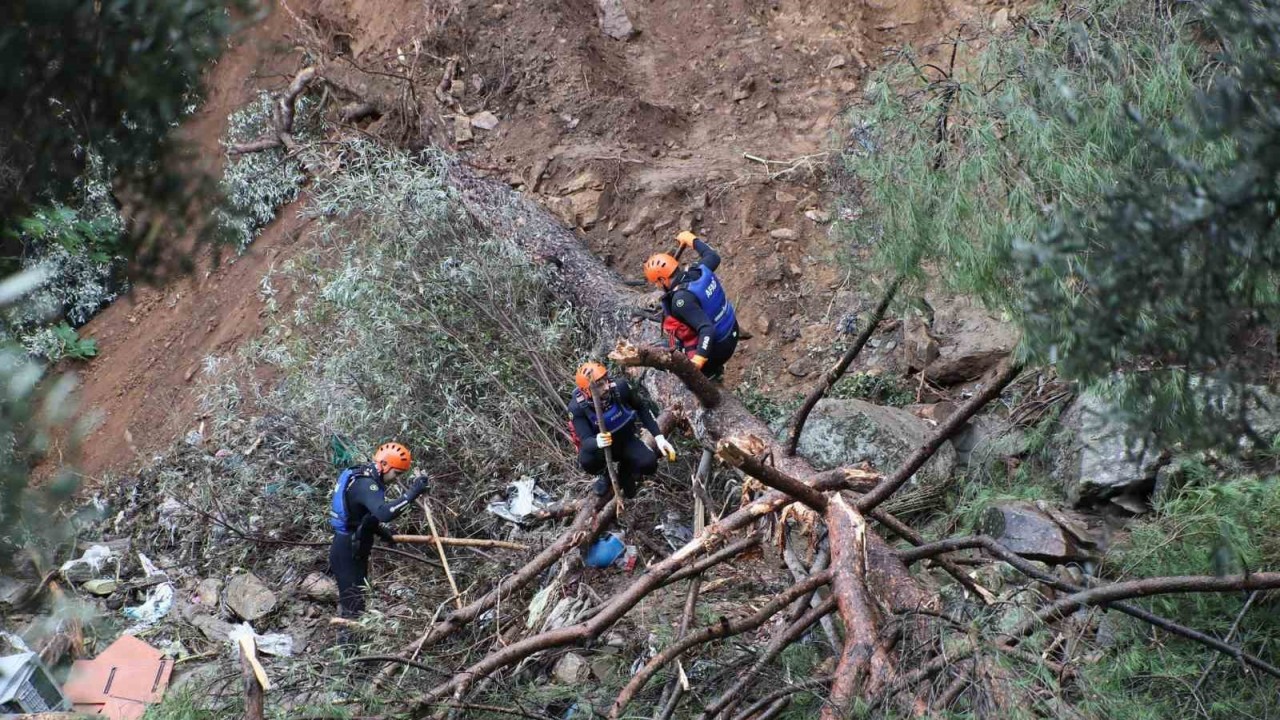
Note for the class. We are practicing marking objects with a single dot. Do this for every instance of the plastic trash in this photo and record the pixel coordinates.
(524, 498)
(605, 551)
(157, 604)
(94, 558)
(277, 644)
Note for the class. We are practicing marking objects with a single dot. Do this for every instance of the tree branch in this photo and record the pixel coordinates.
(832, 376)
(674, 362)
(881, 492)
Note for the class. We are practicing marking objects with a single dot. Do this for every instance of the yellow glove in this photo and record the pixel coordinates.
(604, 440)
(698, 361)
(665, 448)
(686, 239)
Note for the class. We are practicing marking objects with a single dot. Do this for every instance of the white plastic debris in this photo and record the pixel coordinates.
(524, 498)
(94, 558)
(158, 603)
(277, 644)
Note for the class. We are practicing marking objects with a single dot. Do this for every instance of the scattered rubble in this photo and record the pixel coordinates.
(484, 120)
(1025, 529)
(614, 21)
(319, 587)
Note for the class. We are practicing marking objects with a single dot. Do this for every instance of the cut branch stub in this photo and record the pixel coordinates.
(732, 453)
(674, 362)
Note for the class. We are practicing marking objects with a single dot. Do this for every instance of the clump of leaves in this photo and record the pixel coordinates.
(881, 389)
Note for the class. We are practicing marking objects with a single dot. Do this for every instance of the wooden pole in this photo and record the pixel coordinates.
(431, 522)
(458, 542)
(596, 388)
(256, 683)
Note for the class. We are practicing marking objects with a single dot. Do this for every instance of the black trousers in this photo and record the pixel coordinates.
(720, 354)
(634, 459)
(349, 564)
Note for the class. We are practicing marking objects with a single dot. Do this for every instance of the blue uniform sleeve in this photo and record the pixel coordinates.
(706, 255)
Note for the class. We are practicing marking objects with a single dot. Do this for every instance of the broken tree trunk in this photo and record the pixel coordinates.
(674, 362)
(864, 666)
(255, 679)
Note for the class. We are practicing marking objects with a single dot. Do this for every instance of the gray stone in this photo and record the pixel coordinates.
(614, 21)
(13, 592)
(783, 234)
(919, 346)
(847, 432)
(484, 120)
(801, 367)
(971, 341)
(462, 129)
(319, 587)
(571, 669)
(1024, 529)
(249, 598)
(208, 591)
(1095, 463)
(214, 629)
(986, 438)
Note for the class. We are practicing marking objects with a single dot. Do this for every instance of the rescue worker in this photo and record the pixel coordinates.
(618, 429)
(697, 315)
(358, 511)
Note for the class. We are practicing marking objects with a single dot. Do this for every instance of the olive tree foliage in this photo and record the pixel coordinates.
(92, 178)
(1173, 276)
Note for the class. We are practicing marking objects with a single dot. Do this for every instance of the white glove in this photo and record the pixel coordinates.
(665, 448)
(604, 440)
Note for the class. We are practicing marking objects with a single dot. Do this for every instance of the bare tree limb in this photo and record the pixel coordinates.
(768, 700)
(1145, 587)
(790, 634)
(833, 375)
(722, 629)
(733, 454)
(884, 490)
(1024, 566)
(283, 116)
(674, 362)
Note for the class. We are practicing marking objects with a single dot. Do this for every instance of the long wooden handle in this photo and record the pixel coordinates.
(460, 542)
(435, 534)
(596, 389)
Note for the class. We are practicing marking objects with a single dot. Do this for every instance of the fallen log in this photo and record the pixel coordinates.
(864, 666)
(674, 362)
(458, 542)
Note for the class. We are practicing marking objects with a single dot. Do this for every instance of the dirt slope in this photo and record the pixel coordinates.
(631, 141)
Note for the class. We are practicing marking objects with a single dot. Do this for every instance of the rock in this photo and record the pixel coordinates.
(986, 438)
(744, 88)
(13, 592)
(1024, 529)
(207, 592)
(971, 341)
(100, 587)
(919, 347)
(319, 587)
(783, 234)
(249, 598)
(586, 207)
(212, 628)
(782, 196)
(769, 270)
(937, 412)
(462, 129)
(485, 120)
(764, 324)
(1000, 20)
(837, 61)
(847, 432)
(1095, 463)
(475, 84)
(822, 217)
(614, 21)
(801, 367)
(571, 669)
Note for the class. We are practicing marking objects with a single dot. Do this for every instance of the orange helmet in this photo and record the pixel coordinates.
(392, 456)
(659, 268)
(588, 373)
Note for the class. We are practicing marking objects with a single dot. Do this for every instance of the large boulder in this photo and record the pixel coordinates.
(1039, 532)
(248, 597)
(847, 432)
(971, 341)
(1095, 461)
